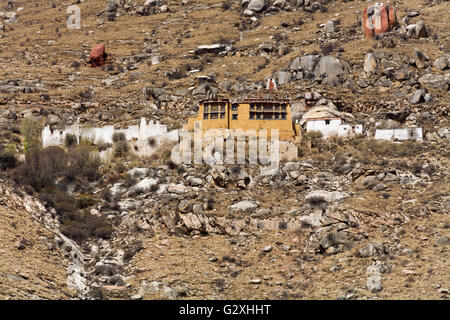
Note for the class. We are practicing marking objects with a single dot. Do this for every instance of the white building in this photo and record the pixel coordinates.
(139, 134)
(332, 127)
(410, 133)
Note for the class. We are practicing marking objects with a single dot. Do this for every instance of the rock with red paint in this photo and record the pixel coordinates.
(378, 19)
(98, 56)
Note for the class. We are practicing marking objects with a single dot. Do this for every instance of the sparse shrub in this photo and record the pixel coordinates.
(41, 167)
(74, 232)
(106, 195)
(82, 162)
(130, 252)
(80, 225)
(210, 203)
(151, 142)
(85, 95)
(121, 149)
(316, 201)
(235, 170)
(85, 201)
(327, 49)
(226, 6)
(70, 140)
(30, 132)
(154, 187)
(180, 170)
(315, 138)
(103, 146)
(118, 136)
(8, 157)
(430, 169)
(130, 180)
(171, 165)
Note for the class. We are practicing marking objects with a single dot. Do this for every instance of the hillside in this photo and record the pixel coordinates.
(351, 218)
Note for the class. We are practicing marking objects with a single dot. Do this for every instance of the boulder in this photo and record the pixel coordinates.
(243, 206)
(329, 27)
(435, 81)
(373, 283)
(306, 63)
(421, 30)
(441, 63)
(324, 196)
(330, 69)
(370, 63)
(256, 5)
(417, 97)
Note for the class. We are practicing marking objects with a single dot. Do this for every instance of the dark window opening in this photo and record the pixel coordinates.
(234, 117)
(283, 116)
(205, 116)
(327, 121)
(222, 115)
(214, 116)
(235, 107)
(268, 116)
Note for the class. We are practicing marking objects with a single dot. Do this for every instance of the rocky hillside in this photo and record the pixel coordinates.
(351, 219)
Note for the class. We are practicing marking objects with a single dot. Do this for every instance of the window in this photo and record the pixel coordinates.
(214, 108)
(206, 108)
(283, 116)
(235, 107)
(283, 107)
(222, 115)
(252, 116)
(205, 116)
(268, 116)
(222, 107)
(214, 116)
(252, 106)
(268, 107)
(276, 116)
(234, 116)
(327, 121)
(258, 116)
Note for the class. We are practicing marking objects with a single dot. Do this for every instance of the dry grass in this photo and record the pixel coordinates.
(44, 269)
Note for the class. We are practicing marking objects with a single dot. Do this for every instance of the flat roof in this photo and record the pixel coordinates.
(266, 100)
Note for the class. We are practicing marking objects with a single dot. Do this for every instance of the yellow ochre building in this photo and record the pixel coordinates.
(251, 114)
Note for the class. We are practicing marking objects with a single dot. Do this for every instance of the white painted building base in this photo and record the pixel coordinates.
(412, 133)
(333, 127)
(140, 135)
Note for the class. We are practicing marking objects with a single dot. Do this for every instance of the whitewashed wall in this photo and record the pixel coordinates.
(399, 134)
(141, 133)
(334, 128)
(327, 130)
